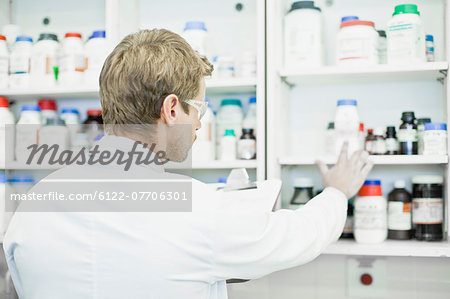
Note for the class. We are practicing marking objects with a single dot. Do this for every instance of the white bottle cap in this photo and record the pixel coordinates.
(400, 184)
(428, 179)
(303, 182)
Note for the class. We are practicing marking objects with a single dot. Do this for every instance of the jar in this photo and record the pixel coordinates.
(71, 60)
(303, 192)
(357, 43)
(370, 214)
(43, 61)
(435, 139)
(428, 207)
(303, 41)
(420, 130)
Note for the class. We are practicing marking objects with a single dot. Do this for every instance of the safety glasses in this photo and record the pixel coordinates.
(200, 106)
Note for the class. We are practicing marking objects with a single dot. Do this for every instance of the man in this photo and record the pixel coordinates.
(154, 78)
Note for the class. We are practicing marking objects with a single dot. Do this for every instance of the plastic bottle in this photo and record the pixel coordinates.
(71, 60)
(4, 63)
(379, 144)
(229, 116)
(399, 212)
(228, 146)
(27, 130)
(303, 192)
(4, 194)
(203, 148)
(370, 216)
(330, 140)
(44, 61)
(6, 132)
(55, 132)
(407, 134)
(48, 109)
(382, 47)
(429, 44)
(349, 18)
(370, 140)
(361, 137)
(347, 125)
(247, 65)
(19, 63)
(71, 118)
(224, 66)
(246, 146)
(435, 139)
(428, 207)
(406, 36)
(96, 53)
(196, 35)
(392, 146)
(357, 43)
(93, 125)
(420, 131)
(250, 118)
(303, 44)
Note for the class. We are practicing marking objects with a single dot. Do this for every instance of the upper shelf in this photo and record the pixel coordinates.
(376, 73)
(378, 160)
(213, 86)
(391, 248)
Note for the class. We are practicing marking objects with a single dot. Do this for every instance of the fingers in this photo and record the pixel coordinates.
(344, 153)
(360, 160)
(323, 168)
(366, 169)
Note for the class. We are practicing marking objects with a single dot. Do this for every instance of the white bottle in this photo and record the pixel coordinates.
(71, 118)
(203, 148)
(357, 44)
(6, 132)
(48, 109)
(19, 63)
(55, 132)
(346, 124)
(96, 53)
(370, 214)
(5, 191)
(27, 129)
(71, 61)
(44, 60)
(247, 65)
(224, 66)
(406, 36)
(303, 44)
(229, 116)
(250, 118)
(196, 35)
(11, 32)
(228, 143)
(4, 63)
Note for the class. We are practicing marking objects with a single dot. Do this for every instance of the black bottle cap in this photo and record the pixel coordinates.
(381, 33)
(247, 131)
(421, 121)
(48, 36)
(390, 131)
(331, 125)
(408, 116)
(304, 4)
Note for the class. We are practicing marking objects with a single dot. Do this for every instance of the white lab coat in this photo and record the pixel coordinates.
(185, 255)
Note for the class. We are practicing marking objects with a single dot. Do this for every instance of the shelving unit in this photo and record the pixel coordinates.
(301, 102)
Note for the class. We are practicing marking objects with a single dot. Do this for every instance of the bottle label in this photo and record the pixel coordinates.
(392, 145)
(404, 42)
(434, 143)
(19, 63)
(246, 149)
(428, 210)
(407, 135)
(3, 65)
(399, 215)
(378, 147)
(72, 63)
(356, 48)
(370, 216)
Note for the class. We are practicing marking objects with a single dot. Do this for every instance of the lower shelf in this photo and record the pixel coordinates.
(377, 160)
(391, 248)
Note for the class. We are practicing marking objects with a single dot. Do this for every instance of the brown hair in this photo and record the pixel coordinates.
(143, 69)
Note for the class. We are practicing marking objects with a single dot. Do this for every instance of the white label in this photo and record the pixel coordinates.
(354, 48)
(370, 216)
(72, 63)
(435, 143)
(20, 63)
(399, 215)
(3, 65)
(407, 135)
(301, 42)
(404, 42)
(246, 149)
(392, 145)
(378, 147)
(428, 210)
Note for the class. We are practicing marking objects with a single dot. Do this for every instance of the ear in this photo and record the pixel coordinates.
(169, 113)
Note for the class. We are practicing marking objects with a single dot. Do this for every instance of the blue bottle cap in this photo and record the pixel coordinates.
(235, 102)
(252, 100)
(347, 103)
(349, 18)
(429, 38)
(372, 183)
(98, 34)
(23, 38)
(22, 179)
(31, 108)
(222, 180)
(70, 110)
(3, 178)
(195, 25)
(435, 126)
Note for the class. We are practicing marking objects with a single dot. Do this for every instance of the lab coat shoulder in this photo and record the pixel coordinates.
(249, 245)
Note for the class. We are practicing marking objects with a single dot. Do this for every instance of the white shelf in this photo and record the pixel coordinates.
(195, 165)
(213, 86)
(378, 160)
(382, 72)
(391, 248)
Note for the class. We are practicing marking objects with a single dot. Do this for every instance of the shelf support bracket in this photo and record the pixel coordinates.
(441, 80)
(290, 85)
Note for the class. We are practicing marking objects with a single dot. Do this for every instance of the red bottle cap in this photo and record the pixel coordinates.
(2, 37)
(356, 23)
(4, 103)
(371, 188)
(73, 34)
(94, 112)
(47, 104)
(361, 127)
(369, 130)
(366, 279)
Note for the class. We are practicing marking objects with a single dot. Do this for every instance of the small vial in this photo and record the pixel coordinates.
(429, 45)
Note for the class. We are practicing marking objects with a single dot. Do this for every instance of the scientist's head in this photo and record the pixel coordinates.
(154, 82)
